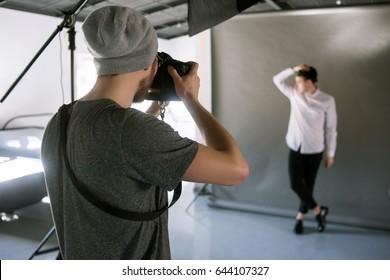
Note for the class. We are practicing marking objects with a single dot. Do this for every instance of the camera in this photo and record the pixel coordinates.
(163, 87)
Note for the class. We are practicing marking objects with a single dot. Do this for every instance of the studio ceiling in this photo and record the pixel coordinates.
(170, 17)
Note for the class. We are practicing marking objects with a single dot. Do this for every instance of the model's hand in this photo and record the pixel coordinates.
(301, 67)
(329, 162)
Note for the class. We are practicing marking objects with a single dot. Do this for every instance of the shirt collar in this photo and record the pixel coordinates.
(314, 93)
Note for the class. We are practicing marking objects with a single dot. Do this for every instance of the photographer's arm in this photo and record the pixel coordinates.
(220, 161)
(154, 109)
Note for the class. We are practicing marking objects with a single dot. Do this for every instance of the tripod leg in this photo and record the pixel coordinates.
(201, 190)
(44, 240)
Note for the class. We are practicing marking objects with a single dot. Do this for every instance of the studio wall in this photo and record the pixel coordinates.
(39, 91)
(350, 47)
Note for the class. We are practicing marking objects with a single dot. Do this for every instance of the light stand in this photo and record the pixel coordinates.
(68, 22)
(72, 47)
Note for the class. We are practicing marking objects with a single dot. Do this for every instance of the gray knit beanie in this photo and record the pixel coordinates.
(120, 39)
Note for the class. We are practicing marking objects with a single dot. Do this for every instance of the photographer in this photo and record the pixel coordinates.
(126, 158)
(311, 129)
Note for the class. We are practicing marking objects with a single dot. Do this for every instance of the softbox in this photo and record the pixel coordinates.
(204, 14)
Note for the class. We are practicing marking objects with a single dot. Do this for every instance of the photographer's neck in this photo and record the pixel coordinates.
(119, 88)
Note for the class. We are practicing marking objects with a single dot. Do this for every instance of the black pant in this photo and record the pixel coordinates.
(303, 171)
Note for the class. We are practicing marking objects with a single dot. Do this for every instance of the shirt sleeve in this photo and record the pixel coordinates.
(331, 129)
(280, 80)
(155, 153)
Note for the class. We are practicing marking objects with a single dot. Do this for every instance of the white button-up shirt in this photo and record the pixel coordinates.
(313, 118)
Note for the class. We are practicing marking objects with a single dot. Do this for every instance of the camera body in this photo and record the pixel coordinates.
(163, 87)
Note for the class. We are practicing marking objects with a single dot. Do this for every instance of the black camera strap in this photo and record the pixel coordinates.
(88, 195)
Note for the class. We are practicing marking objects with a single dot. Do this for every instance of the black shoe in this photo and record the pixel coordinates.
(321, 218)
(298, 229)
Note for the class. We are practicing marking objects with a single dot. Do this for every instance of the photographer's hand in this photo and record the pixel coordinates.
(220, 160)
(187, 87)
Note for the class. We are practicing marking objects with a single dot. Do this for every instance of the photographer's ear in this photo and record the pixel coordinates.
(155, 64)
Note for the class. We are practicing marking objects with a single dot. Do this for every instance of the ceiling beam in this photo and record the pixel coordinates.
(164, 6)
(169, 24)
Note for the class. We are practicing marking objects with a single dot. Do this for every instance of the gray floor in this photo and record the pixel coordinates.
(199, 232)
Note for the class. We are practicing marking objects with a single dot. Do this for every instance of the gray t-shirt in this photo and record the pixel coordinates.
(128, 159)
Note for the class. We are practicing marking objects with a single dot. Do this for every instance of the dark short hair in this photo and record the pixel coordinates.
(308, 75)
